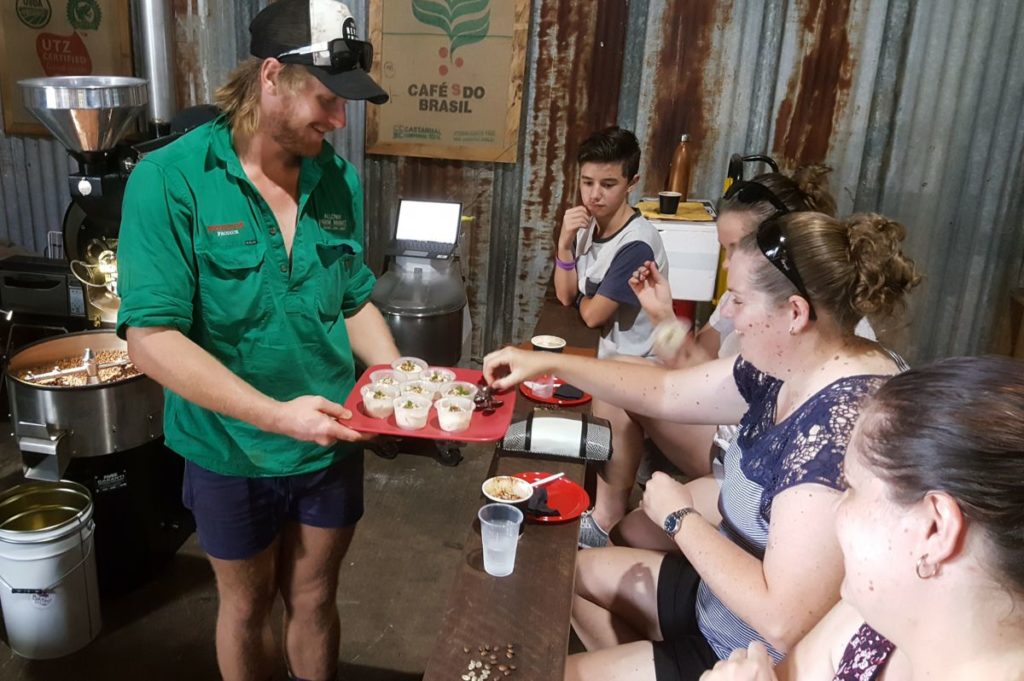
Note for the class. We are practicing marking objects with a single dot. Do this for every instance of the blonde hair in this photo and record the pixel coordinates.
(851, 268)
(239, 97)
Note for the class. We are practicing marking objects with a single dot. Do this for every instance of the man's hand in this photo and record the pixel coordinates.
(573, 221)
(750, 664)
(312, 418)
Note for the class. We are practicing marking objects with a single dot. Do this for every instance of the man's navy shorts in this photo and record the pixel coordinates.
(237, 517)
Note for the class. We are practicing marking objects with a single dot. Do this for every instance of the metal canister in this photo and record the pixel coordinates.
(423, 302)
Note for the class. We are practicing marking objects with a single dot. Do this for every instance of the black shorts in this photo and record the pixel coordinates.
(684, 654)
(237, 517)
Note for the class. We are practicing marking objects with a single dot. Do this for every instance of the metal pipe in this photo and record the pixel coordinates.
(156, 25)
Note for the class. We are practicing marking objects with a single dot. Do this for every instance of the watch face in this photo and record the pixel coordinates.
(672, 524)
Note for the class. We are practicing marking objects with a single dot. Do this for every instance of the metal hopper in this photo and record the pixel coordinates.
(86, 113)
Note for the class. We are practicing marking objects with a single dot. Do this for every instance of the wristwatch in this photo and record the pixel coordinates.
(674, 520)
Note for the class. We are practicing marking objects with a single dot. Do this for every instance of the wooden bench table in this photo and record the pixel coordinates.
(529, 608)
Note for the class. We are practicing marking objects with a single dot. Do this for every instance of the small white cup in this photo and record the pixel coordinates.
(454, 413)
(411, 411)
(544, 386)
(379, 399)
(387, 377)
(418, 387)
(459, 389)
(409, 367)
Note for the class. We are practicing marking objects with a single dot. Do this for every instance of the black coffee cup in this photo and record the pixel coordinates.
(546, 343)
(668, 202)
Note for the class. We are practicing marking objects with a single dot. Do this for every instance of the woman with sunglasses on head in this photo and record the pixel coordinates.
(744, 206)
(932, 532)
(759, 560)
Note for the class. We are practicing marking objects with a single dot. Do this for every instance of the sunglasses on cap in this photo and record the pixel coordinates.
(335, 56)
(772, 243)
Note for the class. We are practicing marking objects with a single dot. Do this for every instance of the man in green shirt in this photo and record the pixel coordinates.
(244, 293)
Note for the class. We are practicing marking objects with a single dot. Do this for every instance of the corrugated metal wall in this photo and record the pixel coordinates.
(917, 105)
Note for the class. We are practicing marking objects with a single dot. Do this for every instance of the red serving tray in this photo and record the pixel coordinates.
(481, 428)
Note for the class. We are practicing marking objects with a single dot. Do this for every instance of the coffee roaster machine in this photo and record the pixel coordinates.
(69, 422)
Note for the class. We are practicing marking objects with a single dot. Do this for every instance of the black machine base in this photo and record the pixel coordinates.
(445, 452)
(140, 520)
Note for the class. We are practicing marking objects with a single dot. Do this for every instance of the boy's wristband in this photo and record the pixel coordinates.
(565, 264)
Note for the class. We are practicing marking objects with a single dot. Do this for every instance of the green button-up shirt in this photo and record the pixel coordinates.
(200, 251)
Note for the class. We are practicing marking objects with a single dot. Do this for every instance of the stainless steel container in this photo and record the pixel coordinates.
(53, 424)
(422, 301)
(86, 113)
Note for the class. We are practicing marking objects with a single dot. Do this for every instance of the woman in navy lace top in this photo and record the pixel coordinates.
(757, 560)
(932, 533)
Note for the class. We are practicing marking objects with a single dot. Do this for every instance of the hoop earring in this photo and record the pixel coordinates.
(920, 568)
(792, 331)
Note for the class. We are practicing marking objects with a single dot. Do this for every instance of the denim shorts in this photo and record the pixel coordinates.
(238, 517)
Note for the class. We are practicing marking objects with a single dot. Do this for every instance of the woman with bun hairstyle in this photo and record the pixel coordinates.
(759, 559)
(688, 446)
(932, 532)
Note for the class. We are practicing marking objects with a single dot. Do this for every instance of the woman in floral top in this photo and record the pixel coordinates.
(932, 533)
(753, 556)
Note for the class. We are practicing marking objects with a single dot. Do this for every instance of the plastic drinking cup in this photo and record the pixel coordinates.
(544, 386)
(499, 530)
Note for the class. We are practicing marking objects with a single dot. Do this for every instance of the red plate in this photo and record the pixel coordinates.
(565, 496)
(481, 428)
(558, 401)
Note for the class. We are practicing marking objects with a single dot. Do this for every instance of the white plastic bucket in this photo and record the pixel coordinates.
(48, 590)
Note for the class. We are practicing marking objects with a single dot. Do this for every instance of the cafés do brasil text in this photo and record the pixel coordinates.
(442, 97)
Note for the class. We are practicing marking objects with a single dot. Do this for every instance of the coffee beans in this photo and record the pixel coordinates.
(490, 662)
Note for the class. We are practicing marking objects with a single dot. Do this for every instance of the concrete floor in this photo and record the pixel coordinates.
(394, 585)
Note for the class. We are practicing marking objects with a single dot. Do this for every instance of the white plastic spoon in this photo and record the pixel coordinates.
(544, 481)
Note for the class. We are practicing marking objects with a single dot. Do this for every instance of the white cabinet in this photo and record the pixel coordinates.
(692, 249)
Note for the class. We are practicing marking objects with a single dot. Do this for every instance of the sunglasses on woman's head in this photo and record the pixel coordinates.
(772, 243)
(751, 193)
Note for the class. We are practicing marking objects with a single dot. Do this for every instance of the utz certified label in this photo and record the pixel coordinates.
(33, 13)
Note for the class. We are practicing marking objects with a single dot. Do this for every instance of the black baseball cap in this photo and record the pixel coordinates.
(321, 35)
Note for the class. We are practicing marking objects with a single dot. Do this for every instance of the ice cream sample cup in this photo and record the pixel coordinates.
(409, 367)
(379, 399)
(411, 411)
(454, 413)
